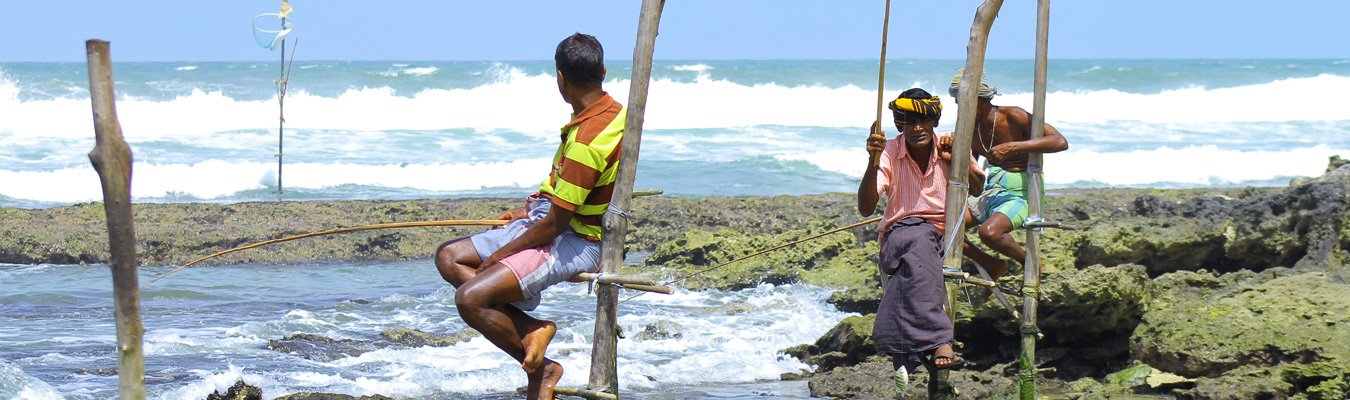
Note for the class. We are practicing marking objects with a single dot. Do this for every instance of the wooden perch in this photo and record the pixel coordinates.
(586, 393)
(112, 159)
(968, 278)
(627, 282)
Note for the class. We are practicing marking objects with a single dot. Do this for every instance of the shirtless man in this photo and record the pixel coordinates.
(499, 274)
(1003, 137)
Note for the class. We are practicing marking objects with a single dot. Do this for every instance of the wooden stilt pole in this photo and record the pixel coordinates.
(111, 157)
(604, 354)
(954, 238)
(1031, 281)
(881, 73)
(281, 105)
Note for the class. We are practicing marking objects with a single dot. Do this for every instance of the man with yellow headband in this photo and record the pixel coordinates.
(911, 326)
(1003, 137)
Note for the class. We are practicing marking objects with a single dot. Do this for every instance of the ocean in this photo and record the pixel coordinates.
(207, 132)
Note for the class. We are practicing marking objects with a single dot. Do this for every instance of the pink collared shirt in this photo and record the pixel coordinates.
(910, 192)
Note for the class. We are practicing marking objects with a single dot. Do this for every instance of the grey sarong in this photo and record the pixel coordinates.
(910, 319)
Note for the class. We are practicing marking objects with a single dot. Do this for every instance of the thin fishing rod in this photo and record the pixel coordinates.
(881, 74)
(751, 255)
(281, 108)
(453, 222)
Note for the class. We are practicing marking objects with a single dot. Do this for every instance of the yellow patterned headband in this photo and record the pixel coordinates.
(909, 110)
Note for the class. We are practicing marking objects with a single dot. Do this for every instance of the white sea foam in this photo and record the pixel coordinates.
(715, 333)
(219, 381)
(9, 270)
(186, 68)
(421, 71)
(1201, 166)
(720, 342)
(211, 179)
(692, 67)
(782, 316)
(402, 70)
(16, 384)
(165, 342)
(1186, 166)
(1294, 99)
(525, 102)
(707, 120)
(215, 178)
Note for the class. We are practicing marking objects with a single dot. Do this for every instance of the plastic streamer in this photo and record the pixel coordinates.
(270, 38)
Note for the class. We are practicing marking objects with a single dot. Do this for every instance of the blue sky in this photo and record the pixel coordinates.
(199, 30)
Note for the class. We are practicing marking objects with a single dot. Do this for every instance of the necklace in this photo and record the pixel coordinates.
(990, 145)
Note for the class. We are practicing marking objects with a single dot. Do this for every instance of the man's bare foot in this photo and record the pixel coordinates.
(544, 379)
(536, 344)
(997, 269)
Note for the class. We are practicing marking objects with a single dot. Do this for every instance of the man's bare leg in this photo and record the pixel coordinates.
(994, 233)
(996, 267)
(484, 303)
(547, 375)
(457, 261)
(536, 342)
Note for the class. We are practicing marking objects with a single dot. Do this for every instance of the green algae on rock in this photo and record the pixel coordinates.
(1261, 328)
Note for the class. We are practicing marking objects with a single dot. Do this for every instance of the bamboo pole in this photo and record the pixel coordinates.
(111, 157)
(626, 282)
(1031, 274)
(604, 354)
(281, 109)
(881, 73)
(584, 393)
(954, 237)
(966, 277)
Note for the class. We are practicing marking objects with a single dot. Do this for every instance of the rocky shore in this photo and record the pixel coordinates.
(1204, 293)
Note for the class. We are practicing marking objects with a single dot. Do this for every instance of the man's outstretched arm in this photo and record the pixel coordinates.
(1049, 142)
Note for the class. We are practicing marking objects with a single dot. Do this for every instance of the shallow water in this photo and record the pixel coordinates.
(208, 326)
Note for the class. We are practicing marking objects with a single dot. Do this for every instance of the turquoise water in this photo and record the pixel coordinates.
(207, 327)
(208, 131)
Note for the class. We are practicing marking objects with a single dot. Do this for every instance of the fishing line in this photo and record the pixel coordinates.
(452, 222)
(781, 246)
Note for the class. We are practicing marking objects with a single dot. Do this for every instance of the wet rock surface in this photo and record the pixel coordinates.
(1294, 327)
(323, 348)
(661, 330)
(320, 348)
(244, 391)
(415, 338)
(240, 391)
(848, 343)
(330, 396)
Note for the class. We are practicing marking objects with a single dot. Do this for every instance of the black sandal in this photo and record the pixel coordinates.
(952, 361)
